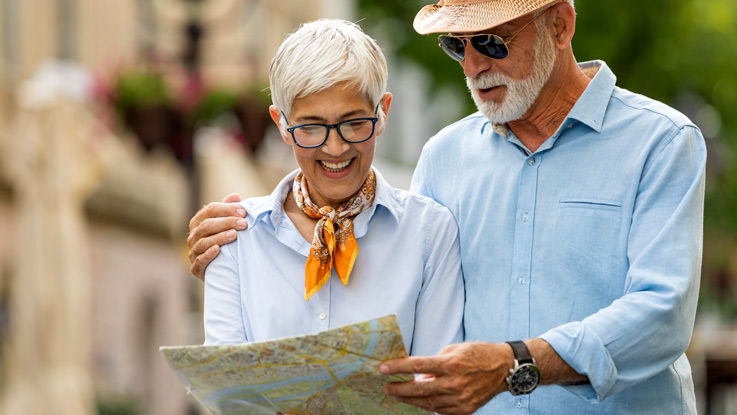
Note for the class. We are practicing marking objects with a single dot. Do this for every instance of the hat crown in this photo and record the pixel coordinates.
(472, 15)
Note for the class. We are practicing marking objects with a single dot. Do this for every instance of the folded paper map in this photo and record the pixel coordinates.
(332, 372)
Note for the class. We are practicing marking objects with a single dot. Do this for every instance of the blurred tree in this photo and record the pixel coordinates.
(118, 405)
(681, 52)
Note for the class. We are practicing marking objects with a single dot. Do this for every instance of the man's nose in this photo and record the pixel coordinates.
(474, 63)
(335, 145)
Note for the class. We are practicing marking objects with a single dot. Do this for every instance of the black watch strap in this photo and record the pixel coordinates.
(521, 352)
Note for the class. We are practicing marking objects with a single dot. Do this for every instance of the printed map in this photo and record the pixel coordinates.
(332, 372)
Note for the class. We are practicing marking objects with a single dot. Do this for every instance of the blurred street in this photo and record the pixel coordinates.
(119, 119)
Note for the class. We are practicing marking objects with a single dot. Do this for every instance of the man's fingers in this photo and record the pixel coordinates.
(422, 388)
(232, 198)
(200, 263)
(214, 226)
(205, 241)
(412, 365)
(205, 244)
(215, 210)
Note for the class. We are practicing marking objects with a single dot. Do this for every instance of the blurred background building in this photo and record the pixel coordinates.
(118, 119)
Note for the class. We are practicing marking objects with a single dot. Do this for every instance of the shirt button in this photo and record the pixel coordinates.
(519, 404)
(531, 161)
(323, 316)
(525, 217)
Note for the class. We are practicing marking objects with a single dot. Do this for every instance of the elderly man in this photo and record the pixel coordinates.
(580, 209)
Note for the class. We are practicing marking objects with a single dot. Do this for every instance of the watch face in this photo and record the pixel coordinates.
(524, 380)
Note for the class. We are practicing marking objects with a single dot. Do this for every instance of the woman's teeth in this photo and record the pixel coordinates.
(335, 167)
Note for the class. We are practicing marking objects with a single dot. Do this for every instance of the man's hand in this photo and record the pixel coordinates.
(459, 380)
(212, 226)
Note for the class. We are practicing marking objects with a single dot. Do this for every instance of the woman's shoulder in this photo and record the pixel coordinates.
(260, 208)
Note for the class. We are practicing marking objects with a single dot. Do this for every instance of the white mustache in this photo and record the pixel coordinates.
(488, 80)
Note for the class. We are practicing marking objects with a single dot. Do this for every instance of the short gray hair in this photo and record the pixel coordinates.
(322, 53)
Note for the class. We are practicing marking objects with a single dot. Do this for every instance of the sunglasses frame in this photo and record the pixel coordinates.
(498, 40)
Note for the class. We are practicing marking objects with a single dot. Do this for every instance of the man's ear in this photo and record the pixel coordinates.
(276, 116)
(563, 18)
(385, 103)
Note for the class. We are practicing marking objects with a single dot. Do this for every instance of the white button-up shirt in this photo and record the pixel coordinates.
(408, 264)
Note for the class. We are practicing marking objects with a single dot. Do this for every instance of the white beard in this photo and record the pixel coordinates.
(522, 93)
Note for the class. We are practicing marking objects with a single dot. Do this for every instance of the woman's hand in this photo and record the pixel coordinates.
(212, 226)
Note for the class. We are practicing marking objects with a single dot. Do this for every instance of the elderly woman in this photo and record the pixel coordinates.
(297, 268)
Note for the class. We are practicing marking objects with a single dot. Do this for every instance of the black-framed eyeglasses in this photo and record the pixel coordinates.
(355, 130)
(493, 46)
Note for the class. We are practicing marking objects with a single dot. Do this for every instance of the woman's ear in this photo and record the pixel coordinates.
(276, 116)
(386, 102)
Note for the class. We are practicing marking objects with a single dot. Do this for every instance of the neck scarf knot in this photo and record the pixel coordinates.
(334, 243)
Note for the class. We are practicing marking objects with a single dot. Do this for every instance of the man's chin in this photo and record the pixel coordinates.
(497, 115)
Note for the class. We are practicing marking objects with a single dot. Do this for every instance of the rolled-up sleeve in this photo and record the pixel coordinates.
(650, 326)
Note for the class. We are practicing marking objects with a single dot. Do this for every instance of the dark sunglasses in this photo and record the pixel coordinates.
(490, 45)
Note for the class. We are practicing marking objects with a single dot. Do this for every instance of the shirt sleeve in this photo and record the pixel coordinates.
(421, 177)
(439, 310)
(649, 327)
(223, 318)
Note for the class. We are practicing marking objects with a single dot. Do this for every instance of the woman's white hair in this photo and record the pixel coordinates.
(322, 53)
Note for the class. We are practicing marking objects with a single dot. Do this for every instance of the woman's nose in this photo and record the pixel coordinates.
(335, 145)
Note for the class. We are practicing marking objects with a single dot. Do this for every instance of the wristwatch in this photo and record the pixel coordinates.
(525, 376)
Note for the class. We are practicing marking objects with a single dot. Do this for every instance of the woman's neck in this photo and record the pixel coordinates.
(304, 224)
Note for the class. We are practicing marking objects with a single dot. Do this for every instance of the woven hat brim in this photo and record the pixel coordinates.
(473, 17)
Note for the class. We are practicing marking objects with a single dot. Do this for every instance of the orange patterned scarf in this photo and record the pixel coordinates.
(334, 243)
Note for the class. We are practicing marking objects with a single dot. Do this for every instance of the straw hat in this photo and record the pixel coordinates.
(456, 16)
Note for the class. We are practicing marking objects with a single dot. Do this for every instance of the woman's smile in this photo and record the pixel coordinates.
(337, 168)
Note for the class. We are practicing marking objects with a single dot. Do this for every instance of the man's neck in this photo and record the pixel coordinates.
(566, 85)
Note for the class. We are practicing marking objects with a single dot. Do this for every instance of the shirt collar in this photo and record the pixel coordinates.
(590, 106)
(384, 197)
(271, 208)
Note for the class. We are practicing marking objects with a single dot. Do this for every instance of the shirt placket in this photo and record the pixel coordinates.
(321, 316)
(522, 261)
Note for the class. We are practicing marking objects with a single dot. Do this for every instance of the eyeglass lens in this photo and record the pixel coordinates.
(312, 135)
(489, 45)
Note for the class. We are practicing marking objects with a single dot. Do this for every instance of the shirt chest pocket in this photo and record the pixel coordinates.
(587, 237)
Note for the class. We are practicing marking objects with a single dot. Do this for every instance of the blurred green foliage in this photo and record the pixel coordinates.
(215, 103)
(117, 405)
(138, 89)
(681, 52)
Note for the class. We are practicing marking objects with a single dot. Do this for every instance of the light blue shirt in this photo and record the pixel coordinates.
(408, 264)
(593, 243)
